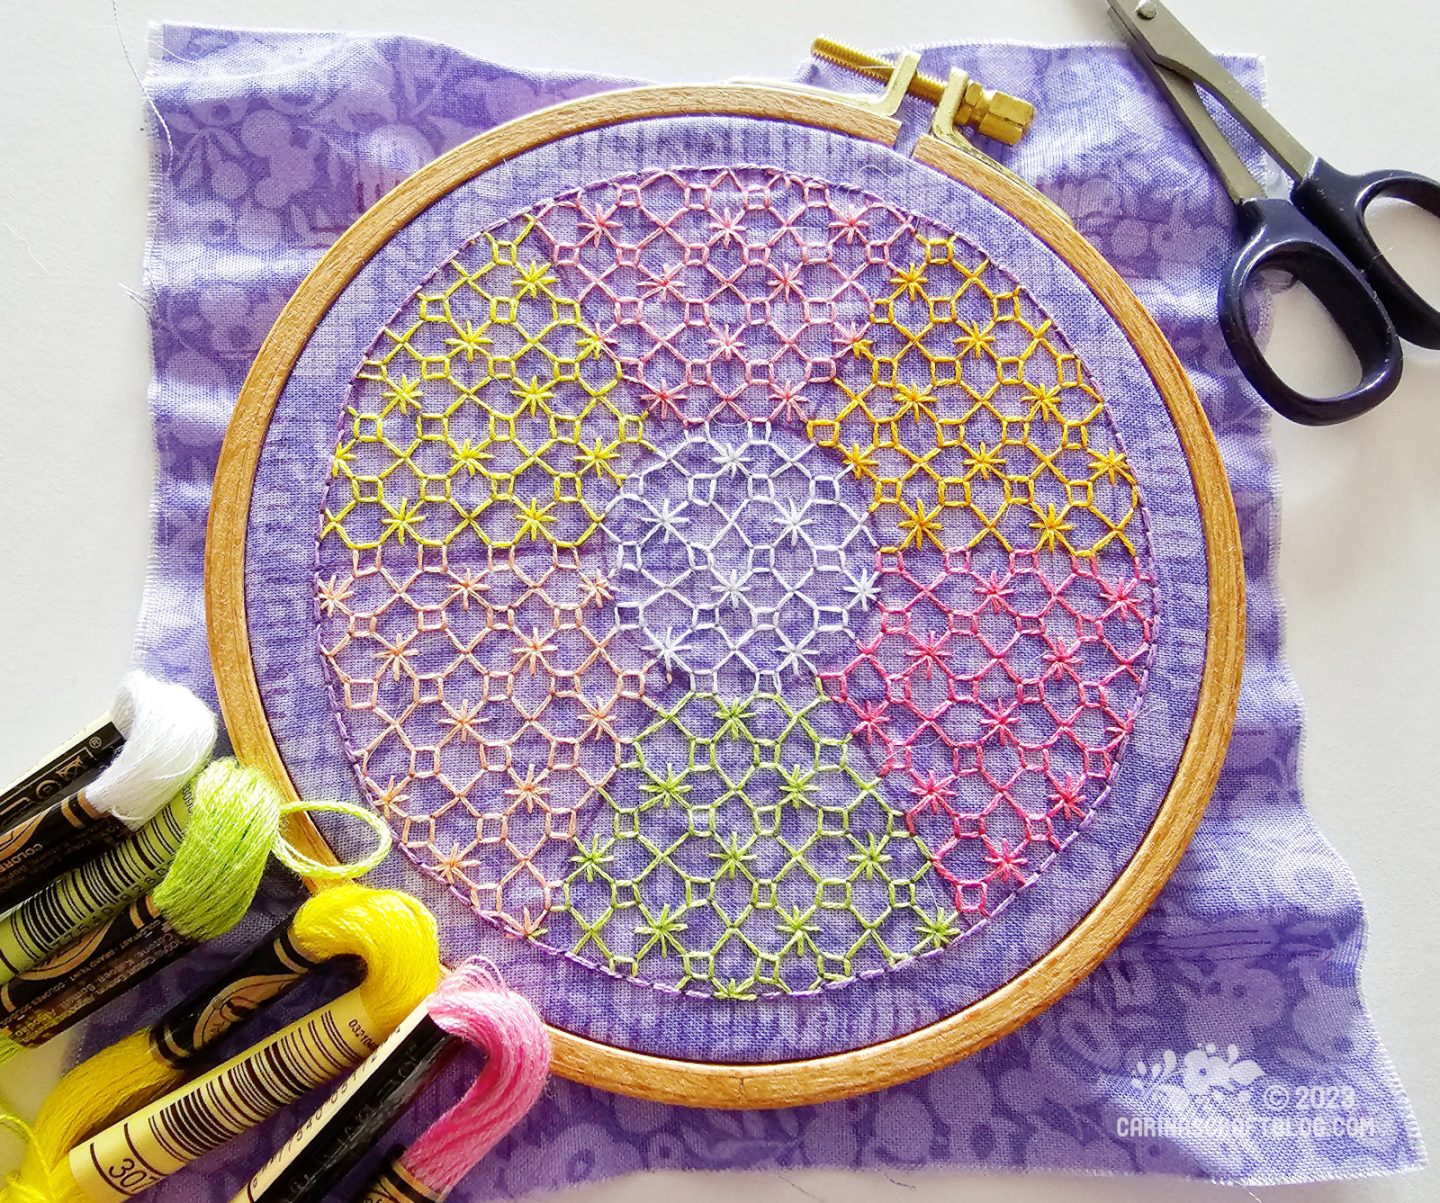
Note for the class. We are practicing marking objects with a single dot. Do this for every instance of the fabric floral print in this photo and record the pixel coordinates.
(731, 582)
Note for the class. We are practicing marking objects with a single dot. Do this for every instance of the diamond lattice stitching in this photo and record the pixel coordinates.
(488, 410)
(724, 293)
(751, 855)
(969, 421)
(743, 560)
(486, 705)
(687, 448)
(997, 692)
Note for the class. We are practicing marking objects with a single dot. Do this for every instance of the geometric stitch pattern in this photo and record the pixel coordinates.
(488, 410)
(753, 854)
(999, 690)
(724, 294)
(481, 707)
(777, 595)
(969, 424)
(743, 559)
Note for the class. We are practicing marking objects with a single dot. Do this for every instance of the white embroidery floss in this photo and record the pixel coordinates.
(169, 734)
(163, 733)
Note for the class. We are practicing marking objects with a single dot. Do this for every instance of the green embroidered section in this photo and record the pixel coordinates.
(739, 833)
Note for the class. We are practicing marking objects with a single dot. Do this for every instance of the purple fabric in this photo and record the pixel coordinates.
(1225, 1038)
(300, 699)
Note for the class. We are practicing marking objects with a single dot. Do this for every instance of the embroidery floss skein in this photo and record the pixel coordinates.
(234, 824)
(234, 827)
(151, 1061)
(401, 952)
(481, 1011)
(471, 1006)
(62, 772)
(166, 734)
(346, 920)
(86, 896)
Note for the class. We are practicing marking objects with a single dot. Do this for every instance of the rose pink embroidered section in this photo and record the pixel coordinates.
(731, 582)
(998, 693)
(725, 294)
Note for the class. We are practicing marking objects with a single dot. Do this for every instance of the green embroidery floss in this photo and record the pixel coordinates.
(217, 870)
(234, 826)
(87, 896)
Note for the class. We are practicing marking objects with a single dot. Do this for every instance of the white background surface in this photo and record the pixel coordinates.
(1360, 564)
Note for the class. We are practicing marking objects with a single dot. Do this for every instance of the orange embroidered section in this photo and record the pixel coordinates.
(486, 702)
(967, 421)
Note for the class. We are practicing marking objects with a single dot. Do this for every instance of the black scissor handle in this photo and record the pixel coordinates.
(1336, 202)
(1276, 235)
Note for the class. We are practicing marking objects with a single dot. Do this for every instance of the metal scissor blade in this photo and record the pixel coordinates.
(1239, 180)
(1165, 42)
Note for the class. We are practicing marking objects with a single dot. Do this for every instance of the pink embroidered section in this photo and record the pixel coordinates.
(725, 293)
(997, 694)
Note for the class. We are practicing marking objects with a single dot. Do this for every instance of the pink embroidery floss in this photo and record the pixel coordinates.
(489, 1015)
(471, 1006)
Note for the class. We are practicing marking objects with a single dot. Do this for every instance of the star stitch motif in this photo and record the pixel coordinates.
(763, 861)
(732, 582)
(488, 414)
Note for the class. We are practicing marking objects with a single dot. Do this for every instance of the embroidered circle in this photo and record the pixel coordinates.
(731, 582)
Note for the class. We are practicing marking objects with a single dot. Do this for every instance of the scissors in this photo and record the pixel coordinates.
(1319, 235)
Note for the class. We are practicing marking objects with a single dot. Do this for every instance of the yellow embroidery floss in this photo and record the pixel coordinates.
(234, 827)
(389, 932)
(133, 1155)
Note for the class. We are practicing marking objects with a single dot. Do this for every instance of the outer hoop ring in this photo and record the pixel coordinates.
(836, 1076)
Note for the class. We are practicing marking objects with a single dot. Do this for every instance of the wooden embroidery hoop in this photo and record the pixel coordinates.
(835, 1076)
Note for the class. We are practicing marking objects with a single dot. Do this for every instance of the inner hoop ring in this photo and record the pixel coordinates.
(1080, 951)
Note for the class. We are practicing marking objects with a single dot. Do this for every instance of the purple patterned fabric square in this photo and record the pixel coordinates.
(1191, 1049)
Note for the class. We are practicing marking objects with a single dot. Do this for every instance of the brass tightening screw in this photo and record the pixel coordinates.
(997, 115)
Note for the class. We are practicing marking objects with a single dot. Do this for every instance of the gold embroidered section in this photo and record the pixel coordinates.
(968, 425)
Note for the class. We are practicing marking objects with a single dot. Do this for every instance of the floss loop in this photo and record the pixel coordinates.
(315, 870)
(475, 1005)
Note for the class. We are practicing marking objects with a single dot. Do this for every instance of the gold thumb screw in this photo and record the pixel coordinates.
(996, 115)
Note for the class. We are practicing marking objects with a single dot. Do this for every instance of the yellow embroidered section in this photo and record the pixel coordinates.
(969, 424)
(489, 411)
